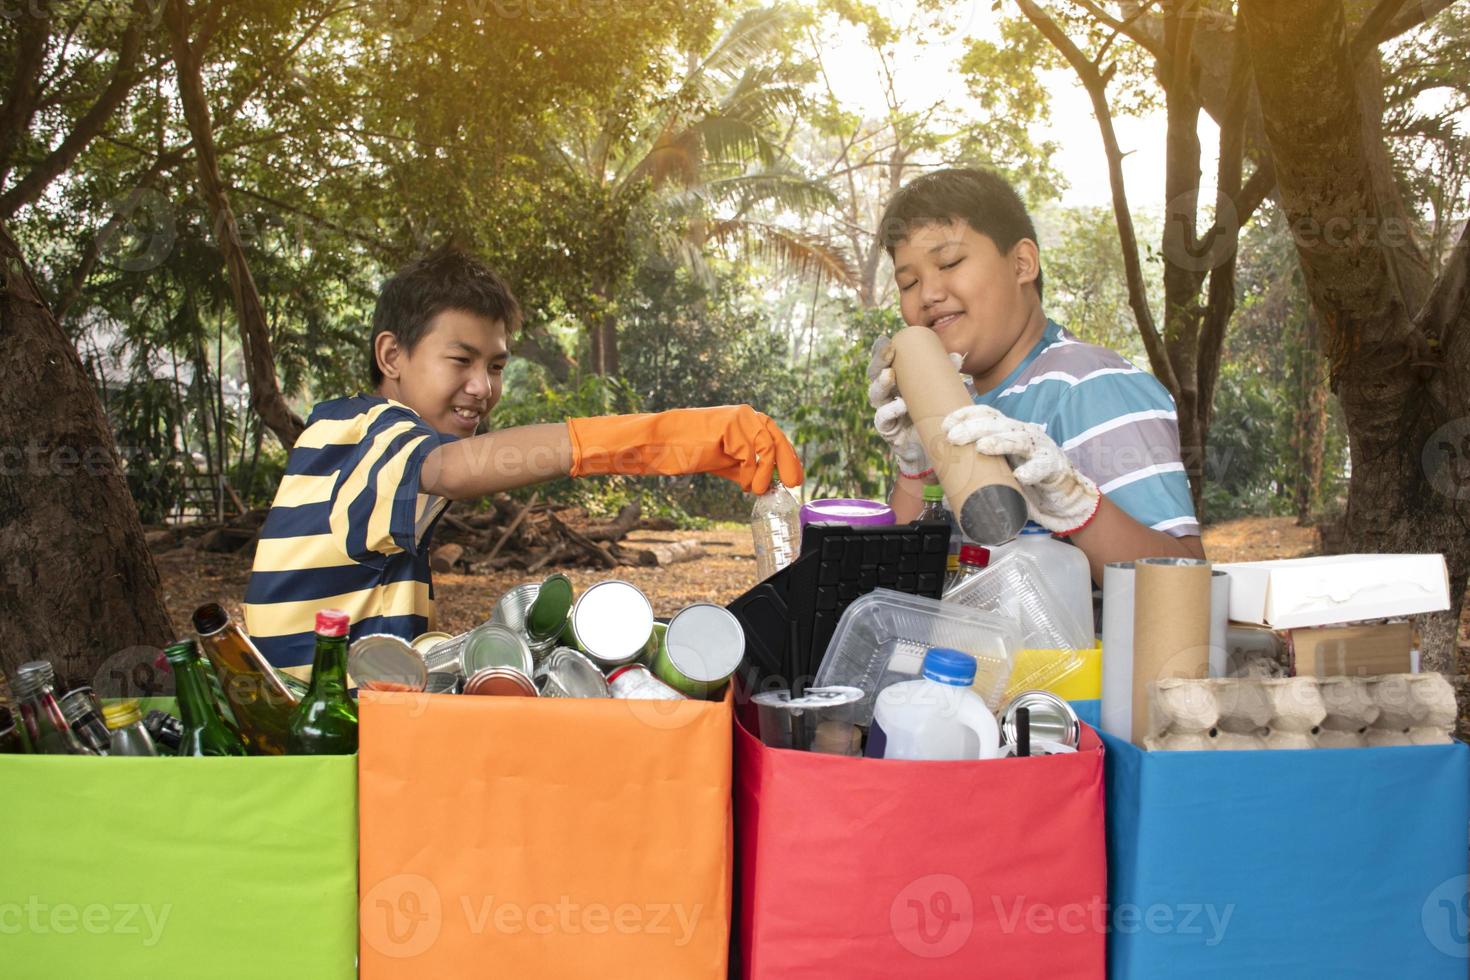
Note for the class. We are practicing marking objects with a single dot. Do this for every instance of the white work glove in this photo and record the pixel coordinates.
(892, 416)
(1060, 498)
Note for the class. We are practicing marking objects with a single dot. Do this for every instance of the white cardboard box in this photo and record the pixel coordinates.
(1295, 592)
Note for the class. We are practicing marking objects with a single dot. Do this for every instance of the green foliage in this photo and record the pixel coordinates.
(1086, 288)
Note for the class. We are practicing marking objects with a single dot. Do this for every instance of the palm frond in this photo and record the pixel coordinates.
(791, 250)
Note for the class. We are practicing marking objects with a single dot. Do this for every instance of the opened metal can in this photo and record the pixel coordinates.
(493, 645)
(502, 682)
(565, 673)
(702, 647)
(613, 623)
(1052, 719)
(635, 682)
(382, 662)
(537, 611)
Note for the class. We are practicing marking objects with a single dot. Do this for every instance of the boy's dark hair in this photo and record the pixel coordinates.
(448, 278)
(982, 199)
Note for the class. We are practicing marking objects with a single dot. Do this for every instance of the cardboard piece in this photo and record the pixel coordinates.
(1171, 628)
(1353, 651)
(1298, 592)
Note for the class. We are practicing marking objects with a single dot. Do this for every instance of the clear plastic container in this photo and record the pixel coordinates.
(775, 525)
(1013, 586)
(1064, 567)
(883, 636)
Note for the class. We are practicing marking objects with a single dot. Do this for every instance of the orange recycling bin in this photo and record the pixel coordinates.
(544, 837)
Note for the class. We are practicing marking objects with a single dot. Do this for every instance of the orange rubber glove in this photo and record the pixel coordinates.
(733, 441)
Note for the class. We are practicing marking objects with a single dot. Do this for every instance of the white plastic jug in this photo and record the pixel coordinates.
(938, 717)
(1063, 566)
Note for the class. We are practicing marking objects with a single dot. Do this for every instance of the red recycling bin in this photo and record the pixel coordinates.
(860, 868)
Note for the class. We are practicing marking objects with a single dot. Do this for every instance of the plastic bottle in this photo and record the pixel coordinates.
(775, 524)
(1064, 567)
(973, 560)
(938, 717)
(934, 510)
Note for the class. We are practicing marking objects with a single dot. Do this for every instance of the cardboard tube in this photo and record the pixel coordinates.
(1171, 627)
(981, 489)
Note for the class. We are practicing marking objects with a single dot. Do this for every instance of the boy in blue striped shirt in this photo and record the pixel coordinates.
(1094, 440)
(368, 479)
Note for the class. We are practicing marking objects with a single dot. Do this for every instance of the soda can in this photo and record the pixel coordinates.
(425, 642)
(613, 622)
(565, 673)
(701, 649)
(382, 662)
(636, 682)
(500, 681)
(493, 645)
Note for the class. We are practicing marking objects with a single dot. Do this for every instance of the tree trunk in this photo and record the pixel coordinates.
(1310, 382)
(1402, 384)
(260, 368)
(605, 346)
(78, 581)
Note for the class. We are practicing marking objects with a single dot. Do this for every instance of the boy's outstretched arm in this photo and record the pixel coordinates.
(733, 441)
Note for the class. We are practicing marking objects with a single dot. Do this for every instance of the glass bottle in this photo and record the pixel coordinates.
(45, 725)
(205, 732)
(79, 708)
(325, 722)
(125, 723)
(11, 741)
(258, 697)
(973, 560)
(775, 524)
(165, 730)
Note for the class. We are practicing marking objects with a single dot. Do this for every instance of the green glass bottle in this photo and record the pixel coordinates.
(325, 722)
(205, 732)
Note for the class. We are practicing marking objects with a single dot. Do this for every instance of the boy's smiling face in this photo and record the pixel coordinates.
(955, 281)
(452, 377)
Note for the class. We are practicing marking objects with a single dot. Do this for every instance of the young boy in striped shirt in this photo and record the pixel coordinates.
(1094, 441)
(368, 479)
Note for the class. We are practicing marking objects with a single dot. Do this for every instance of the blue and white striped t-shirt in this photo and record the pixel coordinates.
(348, 530)
(1116, 423)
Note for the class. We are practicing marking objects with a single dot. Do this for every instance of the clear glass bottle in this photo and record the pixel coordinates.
(46, 726)
(79, 708)
(775, 524)
(124, 721)
(973, 560)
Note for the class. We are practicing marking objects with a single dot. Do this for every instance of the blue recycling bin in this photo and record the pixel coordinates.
(1323, 863)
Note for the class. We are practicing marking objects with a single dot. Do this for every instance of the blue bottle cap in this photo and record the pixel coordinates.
(1033, 528)
(945, 666)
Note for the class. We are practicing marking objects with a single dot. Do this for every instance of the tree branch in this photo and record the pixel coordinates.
(1370, 34)
(30, 187)
(1096, 86)
(1420, 13)
(25, 85)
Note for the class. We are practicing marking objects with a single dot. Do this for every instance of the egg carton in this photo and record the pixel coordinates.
(1300, 712)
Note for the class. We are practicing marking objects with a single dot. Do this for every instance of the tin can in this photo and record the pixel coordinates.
(702, 648)
(494, 645)
(443, 682)
(538, 611)
(565, 673)
(500, 681)
(1052, 719)
(425, 642)
(635, 682)
(613, 621)
(382, 662)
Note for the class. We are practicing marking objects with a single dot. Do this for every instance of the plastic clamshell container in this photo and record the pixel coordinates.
(1013, 586)
(883, 636)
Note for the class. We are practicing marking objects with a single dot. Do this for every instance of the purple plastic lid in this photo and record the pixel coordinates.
(842, 511)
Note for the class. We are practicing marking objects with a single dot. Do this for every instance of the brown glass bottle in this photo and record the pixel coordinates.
(258, 697)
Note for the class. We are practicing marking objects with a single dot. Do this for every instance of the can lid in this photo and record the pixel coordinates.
(548, 613)
(573, 673)
(382, 662)
(974, 554)
(705, 642)
(502, 681)
(332, 622)
(613, 621)
(493, 645)
(1052, 719)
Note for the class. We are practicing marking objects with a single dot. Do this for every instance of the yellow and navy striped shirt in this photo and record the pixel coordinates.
(348, 530)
